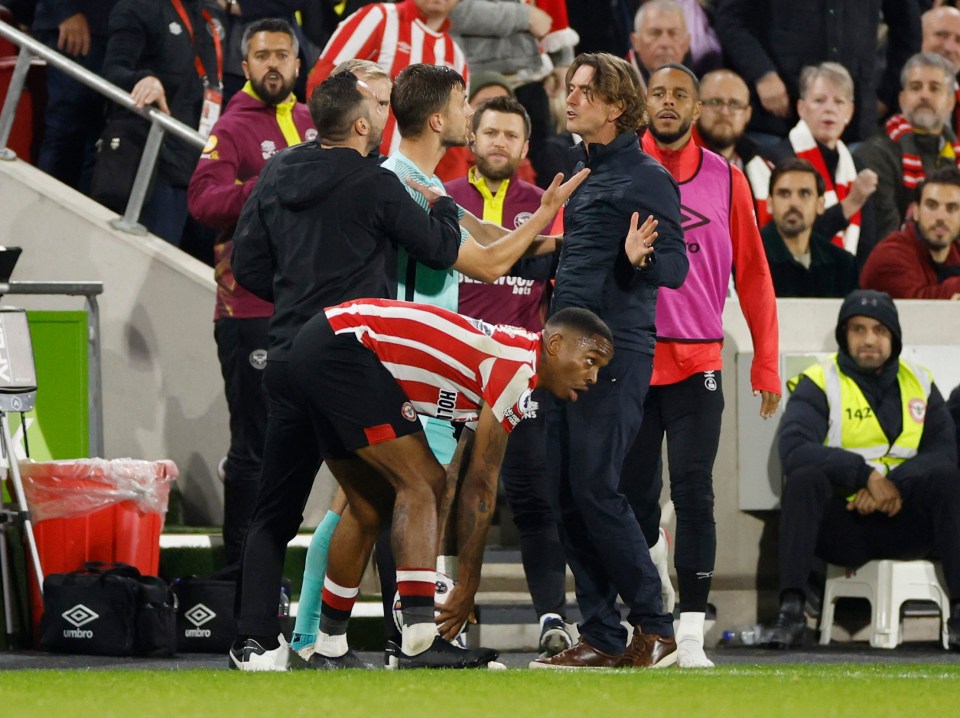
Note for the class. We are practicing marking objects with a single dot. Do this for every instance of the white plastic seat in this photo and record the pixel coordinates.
(887, 585)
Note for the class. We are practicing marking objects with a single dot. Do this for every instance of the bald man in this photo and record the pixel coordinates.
(941, 34)
(659, 37)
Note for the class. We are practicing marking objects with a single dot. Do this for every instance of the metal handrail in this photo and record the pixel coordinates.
(90, 291)
(159, 121)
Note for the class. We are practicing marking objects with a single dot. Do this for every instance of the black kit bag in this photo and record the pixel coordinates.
(119, 150)
(205, 614)
(107, 609)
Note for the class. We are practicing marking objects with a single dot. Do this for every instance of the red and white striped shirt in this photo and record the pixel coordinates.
(448, 365)
(394, 36)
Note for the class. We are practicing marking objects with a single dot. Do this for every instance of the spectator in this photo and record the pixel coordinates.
(915, 142)
(164, 54)
(685, 401)
(724, 115)
(770, 41)
(870, 458)
(74, 114)
(922, 261)
(825, 108)
(392, 35)
(659, 37)
(259, 121)
(705, 53)
(941, 35)
(587, 440)
(803, 263)
(493, 190)
(526, 42)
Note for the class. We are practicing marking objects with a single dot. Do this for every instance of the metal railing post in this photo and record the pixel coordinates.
(9, 111)
(129, 222)
(94, 377)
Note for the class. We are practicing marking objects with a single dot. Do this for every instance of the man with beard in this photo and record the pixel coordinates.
(922, 261)
(263, 118)
(685, 400)
(493, 190)
(724, 114)
(803, 263)
(914, 142)
(870, 458)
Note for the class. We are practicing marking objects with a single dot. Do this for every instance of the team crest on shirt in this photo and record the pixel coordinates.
(268, 148)
(918, 410)
(521, 218)
(709, 381)
(175, 28)
(310, 135)
(409, 413)
(528, 407)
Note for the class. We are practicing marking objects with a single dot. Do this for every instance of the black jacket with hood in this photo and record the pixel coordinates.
(805, 421)
(321, 228)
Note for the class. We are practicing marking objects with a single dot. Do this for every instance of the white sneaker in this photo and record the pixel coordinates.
(690, 653)
(660, 554)
(251, 656)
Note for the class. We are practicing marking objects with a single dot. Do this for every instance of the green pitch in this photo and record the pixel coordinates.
(872, 691)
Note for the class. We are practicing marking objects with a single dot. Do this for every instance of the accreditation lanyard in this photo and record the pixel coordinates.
(212, 97)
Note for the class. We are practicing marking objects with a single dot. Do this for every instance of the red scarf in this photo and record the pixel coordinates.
(901, 132)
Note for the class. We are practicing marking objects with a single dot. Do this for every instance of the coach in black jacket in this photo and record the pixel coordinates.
(588, 439)
(768, 42)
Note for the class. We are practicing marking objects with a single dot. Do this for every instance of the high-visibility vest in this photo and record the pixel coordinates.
(853, 423)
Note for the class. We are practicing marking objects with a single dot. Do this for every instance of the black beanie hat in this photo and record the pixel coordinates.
(876, 305)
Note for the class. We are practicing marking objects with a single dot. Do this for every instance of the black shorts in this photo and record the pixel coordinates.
(353, 400)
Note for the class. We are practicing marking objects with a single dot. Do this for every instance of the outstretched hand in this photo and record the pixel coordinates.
(430, 192)
(640, 238)
(557, 193)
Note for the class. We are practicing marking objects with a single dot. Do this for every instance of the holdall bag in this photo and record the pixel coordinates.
(205, 614)
(119, 150)
(107, 609)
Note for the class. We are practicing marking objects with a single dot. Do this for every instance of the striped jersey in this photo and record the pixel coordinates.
(394, 35)
(448, 365)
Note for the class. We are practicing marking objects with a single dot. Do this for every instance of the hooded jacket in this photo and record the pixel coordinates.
(805, 420)
(321, 228)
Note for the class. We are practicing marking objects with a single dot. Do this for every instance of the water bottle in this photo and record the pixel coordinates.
(742, 635)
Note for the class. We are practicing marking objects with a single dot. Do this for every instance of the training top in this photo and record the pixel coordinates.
(448, 365)
(393, 35)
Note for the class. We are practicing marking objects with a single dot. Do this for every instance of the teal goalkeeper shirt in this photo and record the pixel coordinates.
(415, 282)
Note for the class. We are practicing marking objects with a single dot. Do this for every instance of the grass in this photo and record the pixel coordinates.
(901, 690)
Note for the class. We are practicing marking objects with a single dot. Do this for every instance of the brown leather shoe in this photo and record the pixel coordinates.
(649, 651)
(583, 655)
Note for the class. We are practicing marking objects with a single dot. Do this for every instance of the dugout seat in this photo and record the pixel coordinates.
(886, 585)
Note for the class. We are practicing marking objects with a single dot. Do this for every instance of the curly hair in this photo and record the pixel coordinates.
(616, 83)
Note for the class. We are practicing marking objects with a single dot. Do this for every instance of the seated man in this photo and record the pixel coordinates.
(803, 263)
(922, 261)
(870, 458)
(364, 370)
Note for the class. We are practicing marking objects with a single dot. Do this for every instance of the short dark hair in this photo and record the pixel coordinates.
(944, 175)
(506, 105)
(335, 106)
(419, 91)
(616, 82)
(795, 164)
(583, 321)
(268, 24)
(685, 70)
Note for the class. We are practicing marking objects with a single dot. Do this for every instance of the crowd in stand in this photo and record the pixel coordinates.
(818, 135)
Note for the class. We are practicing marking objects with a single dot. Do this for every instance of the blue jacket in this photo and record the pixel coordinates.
(594, 272)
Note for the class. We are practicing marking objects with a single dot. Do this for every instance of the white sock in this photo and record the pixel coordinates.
(418, 638)
(547, 616)
(447, 565)
(331, 646)
(690, 652)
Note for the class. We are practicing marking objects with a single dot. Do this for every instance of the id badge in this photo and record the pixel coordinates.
(212, 100)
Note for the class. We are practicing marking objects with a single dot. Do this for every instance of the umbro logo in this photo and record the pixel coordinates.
(80, 615)
(690, 219)
(199, 614)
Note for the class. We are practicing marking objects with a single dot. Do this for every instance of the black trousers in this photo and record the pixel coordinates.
(291, 459)
(241, 349)
(689, 414)
(524, 478)
(814, 521)
(587, 441)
